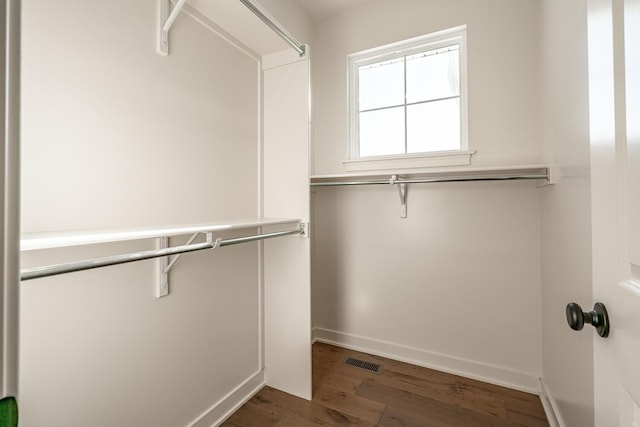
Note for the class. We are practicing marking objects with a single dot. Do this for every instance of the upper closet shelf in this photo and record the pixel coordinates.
(535, 172)
(34, 241)
(229, 18)
(539, 173)
(276, 28)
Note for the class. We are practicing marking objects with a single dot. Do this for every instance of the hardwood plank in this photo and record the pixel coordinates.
(349, 403)
(343, 377)
(339, 420)
(420, 407)
(467, 393)
(528, 404)
(463, 384)
(400, 395)
(447, 392)
(395, 417)
(525, 420)
(250, 416)
(284, 406)
(528, 412)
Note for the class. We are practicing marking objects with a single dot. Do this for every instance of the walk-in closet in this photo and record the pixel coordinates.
(304, 212)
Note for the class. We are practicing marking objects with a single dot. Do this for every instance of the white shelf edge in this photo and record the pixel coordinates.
(434, 171)
(59, 239)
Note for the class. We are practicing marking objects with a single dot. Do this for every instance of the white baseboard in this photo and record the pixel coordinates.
(225, 407)
(523, 381)
(550, 407)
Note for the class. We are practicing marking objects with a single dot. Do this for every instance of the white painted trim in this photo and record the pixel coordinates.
(493, 374)
(408, 161)
(230, 403)
(550, 406)
(431, 39)
(260, 213)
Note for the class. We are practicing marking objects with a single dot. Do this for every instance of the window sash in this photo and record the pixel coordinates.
(454, 39)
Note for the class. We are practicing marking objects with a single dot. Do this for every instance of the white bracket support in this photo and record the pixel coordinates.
(165, 265)
(306, 230)
(166, 21)
(402, 192)
(553, 176)
(163, 282)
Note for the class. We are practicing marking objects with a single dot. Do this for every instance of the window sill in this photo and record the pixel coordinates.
(439, 159)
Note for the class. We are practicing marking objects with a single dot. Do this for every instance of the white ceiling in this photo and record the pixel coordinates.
(320, 9)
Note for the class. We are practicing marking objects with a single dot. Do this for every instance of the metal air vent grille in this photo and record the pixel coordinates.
(361, 364)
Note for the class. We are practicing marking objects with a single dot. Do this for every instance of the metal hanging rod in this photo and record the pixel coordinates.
(56, 269)
(300, 48)
(518, 173)
(461, 178)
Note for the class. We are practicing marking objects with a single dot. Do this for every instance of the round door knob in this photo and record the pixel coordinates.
(598, 318)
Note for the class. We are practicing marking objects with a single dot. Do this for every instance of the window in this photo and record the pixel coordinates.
(408, 101)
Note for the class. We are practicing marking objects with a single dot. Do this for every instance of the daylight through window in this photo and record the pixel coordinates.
(408, 100)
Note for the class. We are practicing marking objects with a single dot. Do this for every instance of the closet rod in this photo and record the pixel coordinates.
(53, 270)
(460, 178)
(279, 31)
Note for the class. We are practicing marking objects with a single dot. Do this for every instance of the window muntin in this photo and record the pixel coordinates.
(408, 99)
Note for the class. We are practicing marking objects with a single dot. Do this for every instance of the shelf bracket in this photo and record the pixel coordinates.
(166, 21)
(305, 229)
(402, 192)
(165, 264)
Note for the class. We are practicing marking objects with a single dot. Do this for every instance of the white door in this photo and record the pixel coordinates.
(614, 92)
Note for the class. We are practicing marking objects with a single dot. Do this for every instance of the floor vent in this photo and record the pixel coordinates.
(368, 366)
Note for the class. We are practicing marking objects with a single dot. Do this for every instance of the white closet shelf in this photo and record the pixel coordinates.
(543, 172)
(59, 239)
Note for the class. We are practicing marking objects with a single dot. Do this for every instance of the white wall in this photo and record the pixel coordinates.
(502, 71)
(456, 284)
(566, 210)
(458, 278)
(115, 135)
(127, 126)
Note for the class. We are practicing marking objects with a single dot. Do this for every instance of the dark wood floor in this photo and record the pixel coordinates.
(400, 395)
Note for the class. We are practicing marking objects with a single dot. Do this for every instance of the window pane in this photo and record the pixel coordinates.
(433, 75)
(382, 132)
(433, 126)
(381, 84)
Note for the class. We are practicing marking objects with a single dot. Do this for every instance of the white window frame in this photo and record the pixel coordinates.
(462, 156)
